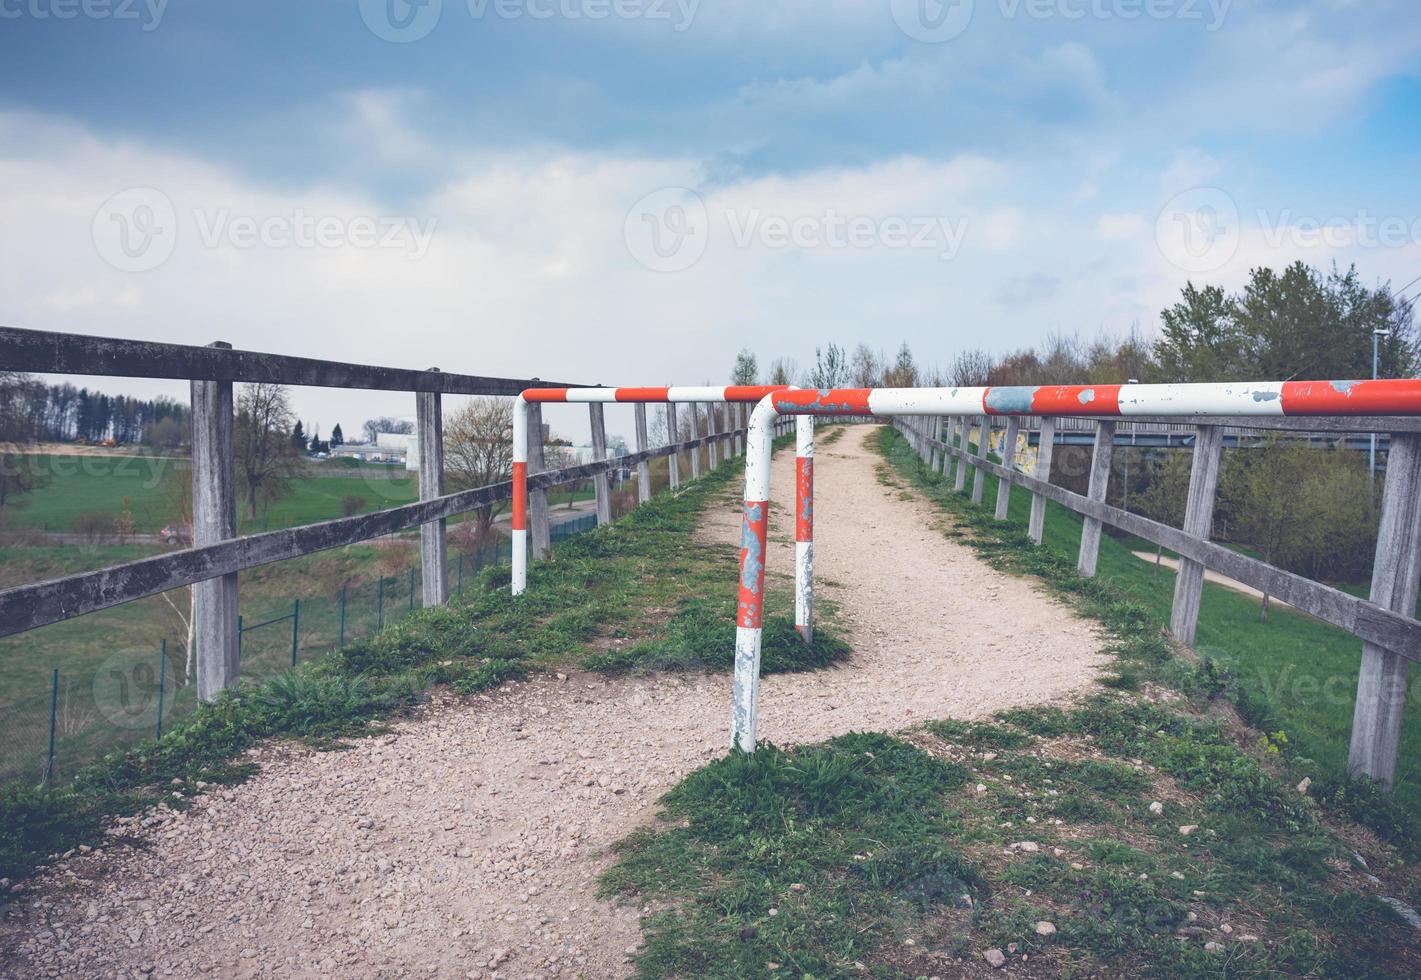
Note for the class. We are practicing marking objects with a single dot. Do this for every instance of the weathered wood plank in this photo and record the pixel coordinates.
(984, 442)
(1396, 573)
(601, 485)
(1036, 523)
(539, 525)
(433, 547)
(1099, 484)
(1009, 462)
(44, 352)
(1199, 522)
(214, 520)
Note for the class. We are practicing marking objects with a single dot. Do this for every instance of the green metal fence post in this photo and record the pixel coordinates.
(411, 609)
(380, 605)
(340, 644)
(162, 670)
(460, 586)
(239, 637)
(295, 628)
(53, 713)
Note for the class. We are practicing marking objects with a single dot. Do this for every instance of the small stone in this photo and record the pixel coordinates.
(796, 887)
(1226, 928)
(1213, 947)
(1157, 808)
(995, 958)
(1303, 786)
(1026, 846)
(1044, 928)
(1188, 829)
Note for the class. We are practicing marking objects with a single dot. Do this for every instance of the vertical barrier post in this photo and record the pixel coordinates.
(295, 628)
(643, 469)
(804, 527)
(410, 592)
(933, 422)
(1036, 527)
(214, 519)
(602, 482)
(162, 676)
(1099, 484)
(695, 434)
(674, 460)
(1198, 522)
(539, 526)
(340, 643)
(1009, 461)
(380, 605)
(749, 613)
(1381, 681)
(984, 442)
(959, 481)
(737, 415)
(433, 547)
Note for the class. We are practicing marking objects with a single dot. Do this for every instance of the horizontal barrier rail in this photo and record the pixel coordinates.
(1384, 622)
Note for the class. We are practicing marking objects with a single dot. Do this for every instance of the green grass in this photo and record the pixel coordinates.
(76, 485)
(911, 856)
(641, 580)
(1292, 674)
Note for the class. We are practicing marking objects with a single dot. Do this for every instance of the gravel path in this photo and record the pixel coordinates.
(467, 843)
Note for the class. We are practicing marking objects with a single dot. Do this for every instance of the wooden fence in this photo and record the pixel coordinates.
(1391, 637)
(219, 553)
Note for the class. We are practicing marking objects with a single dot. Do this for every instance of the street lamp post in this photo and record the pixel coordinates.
(1377, 335)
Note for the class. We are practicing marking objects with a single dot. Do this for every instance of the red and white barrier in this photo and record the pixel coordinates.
(732, 394)
(1268, 398)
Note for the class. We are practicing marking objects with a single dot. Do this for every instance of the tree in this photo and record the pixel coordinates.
(17, 436)
(904, 372)
(831, 368)
(970, 369)
(746, 370)
(337, 436)
(782, 371)
(298, 437)
(1260, 488)
(266, 452)
(866, 368)
(478, 450)
(1167, 492)
(373, 427)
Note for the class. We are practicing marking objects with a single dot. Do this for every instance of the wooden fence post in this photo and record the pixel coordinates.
(984, 441)
(1198, 522)
(433, 549)
(602, 482)
(643, 469)
(695, 434)
(1381, 681)
(959, 480)
(1099, 484)
(1036, 526)
(1009, 461)
(712, 456)
(674, 460)
(214, 519)
(539, 527)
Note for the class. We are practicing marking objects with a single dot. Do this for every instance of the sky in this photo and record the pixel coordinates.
(629, 191)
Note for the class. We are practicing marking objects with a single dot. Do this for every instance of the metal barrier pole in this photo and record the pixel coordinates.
(295, 628)
(804, 527)
(162, 670)
(53, 714)
(340, 645)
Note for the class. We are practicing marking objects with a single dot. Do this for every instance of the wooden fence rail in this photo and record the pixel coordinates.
(218, 552)
(1384, 622)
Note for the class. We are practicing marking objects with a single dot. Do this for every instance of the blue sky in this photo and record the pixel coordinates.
(827, 171)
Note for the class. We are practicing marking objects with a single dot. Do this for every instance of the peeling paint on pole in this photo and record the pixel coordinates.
(804, 527)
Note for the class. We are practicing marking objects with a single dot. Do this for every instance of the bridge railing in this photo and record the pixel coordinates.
(1384, 621)
(219, 553)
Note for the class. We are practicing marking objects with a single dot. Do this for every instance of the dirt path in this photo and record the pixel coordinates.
(468, 842)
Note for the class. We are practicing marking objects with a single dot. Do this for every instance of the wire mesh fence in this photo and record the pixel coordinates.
(76, 690)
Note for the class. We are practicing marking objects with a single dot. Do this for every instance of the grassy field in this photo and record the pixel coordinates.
(77, 485)
(1142, 832)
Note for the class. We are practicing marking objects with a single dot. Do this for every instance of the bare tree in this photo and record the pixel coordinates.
(746, 370)
(266, 458)
(831, 368)
(478, 450)
(903, 373)
(866, 368)
(971, 368)
(783, 371)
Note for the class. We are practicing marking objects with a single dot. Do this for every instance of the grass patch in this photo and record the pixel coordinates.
(913, 856)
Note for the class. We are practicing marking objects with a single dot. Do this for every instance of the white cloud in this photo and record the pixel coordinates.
(1124, 224)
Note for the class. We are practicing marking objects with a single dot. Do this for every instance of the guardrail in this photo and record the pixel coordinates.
(218, 552)
(1391, 637)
